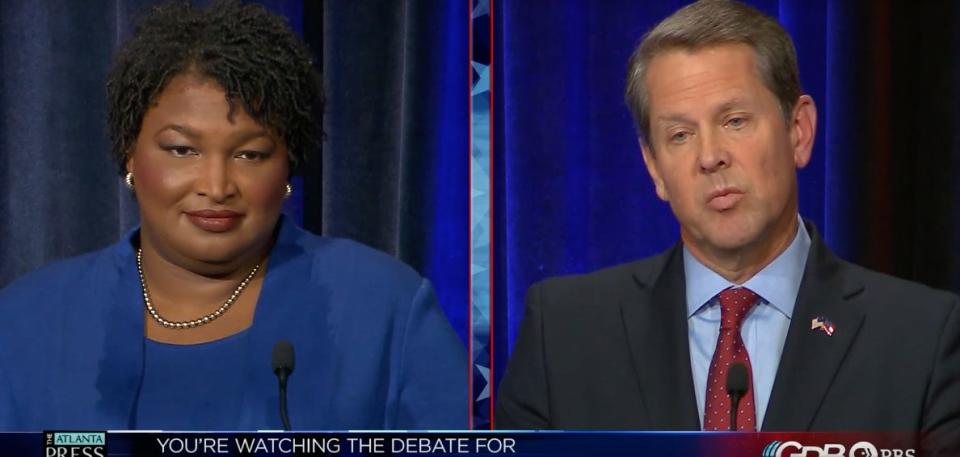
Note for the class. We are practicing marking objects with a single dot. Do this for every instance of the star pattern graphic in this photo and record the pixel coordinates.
(480, 206)
(485, 372)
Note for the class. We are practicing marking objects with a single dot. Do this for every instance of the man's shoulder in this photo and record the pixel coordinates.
(886, 294)
(607, 286)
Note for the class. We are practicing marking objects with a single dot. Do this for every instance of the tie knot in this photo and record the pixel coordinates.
(735, 303)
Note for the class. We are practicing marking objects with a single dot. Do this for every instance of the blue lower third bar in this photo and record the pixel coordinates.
(467, 443)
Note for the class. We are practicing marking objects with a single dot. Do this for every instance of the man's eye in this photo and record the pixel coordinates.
(680, 137)
(737, 122)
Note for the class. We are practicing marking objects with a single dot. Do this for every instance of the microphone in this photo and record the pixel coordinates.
(737, 380)
(282, 367)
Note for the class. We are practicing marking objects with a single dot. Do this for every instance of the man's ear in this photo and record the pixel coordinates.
(803, 130)
(650, 160)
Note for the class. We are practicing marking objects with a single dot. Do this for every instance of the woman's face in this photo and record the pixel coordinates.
(210, 189)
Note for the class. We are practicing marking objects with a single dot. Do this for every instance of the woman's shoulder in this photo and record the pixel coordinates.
(356, 285)
(63, 277)
(342, 258)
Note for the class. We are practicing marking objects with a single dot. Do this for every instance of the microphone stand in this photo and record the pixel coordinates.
(284, 417)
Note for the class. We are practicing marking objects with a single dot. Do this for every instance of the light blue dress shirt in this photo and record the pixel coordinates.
(764, 329)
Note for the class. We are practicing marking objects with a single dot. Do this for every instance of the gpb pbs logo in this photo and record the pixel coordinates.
(861, 449)
(75, 444)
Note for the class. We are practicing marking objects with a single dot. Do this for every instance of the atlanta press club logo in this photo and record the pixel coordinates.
(75, 444)
(861, 449)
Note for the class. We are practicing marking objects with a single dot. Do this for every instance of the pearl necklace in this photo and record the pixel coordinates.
(196, 322)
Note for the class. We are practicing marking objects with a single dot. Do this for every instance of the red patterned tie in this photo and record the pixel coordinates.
(735, 303)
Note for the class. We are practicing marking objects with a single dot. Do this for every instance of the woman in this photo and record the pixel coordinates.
(210, 113)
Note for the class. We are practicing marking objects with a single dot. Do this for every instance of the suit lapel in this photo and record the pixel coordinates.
(119, 369)
(810, 357)
(656, 327)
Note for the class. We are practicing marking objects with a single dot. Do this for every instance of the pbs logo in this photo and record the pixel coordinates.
(860, 449)
(864, 449)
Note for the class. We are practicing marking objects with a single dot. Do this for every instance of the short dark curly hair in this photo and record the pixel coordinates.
(254, 56)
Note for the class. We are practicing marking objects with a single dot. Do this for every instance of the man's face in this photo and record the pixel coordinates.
(720, 152)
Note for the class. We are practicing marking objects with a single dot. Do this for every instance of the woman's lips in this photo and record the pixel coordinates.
(214, 221)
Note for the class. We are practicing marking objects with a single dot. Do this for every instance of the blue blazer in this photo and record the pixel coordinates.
(374, 348)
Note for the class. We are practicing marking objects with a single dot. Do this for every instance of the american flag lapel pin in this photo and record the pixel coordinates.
(823, 324)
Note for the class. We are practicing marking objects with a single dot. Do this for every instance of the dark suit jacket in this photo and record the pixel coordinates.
(609, 350)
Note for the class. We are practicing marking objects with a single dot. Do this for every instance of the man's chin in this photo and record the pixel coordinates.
(725, 239)
(727, 229)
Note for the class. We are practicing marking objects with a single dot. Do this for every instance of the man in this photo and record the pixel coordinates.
(826, 345)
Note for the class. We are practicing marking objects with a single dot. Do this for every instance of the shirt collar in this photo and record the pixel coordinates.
(777, 284)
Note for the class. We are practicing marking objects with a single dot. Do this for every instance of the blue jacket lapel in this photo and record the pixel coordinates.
(121, 360)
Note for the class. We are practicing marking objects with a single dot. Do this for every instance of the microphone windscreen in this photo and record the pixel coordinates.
(283, 356)
(737, 379)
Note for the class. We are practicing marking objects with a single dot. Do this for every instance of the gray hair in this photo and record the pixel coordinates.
(712, 22)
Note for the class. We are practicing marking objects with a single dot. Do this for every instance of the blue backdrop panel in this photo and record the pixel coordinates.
(572, 193)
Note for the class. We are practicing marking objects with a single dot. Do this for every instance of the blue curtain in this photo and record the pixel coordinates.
(61, 193)
(572, 193)
(393, 173)
(396, 164)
